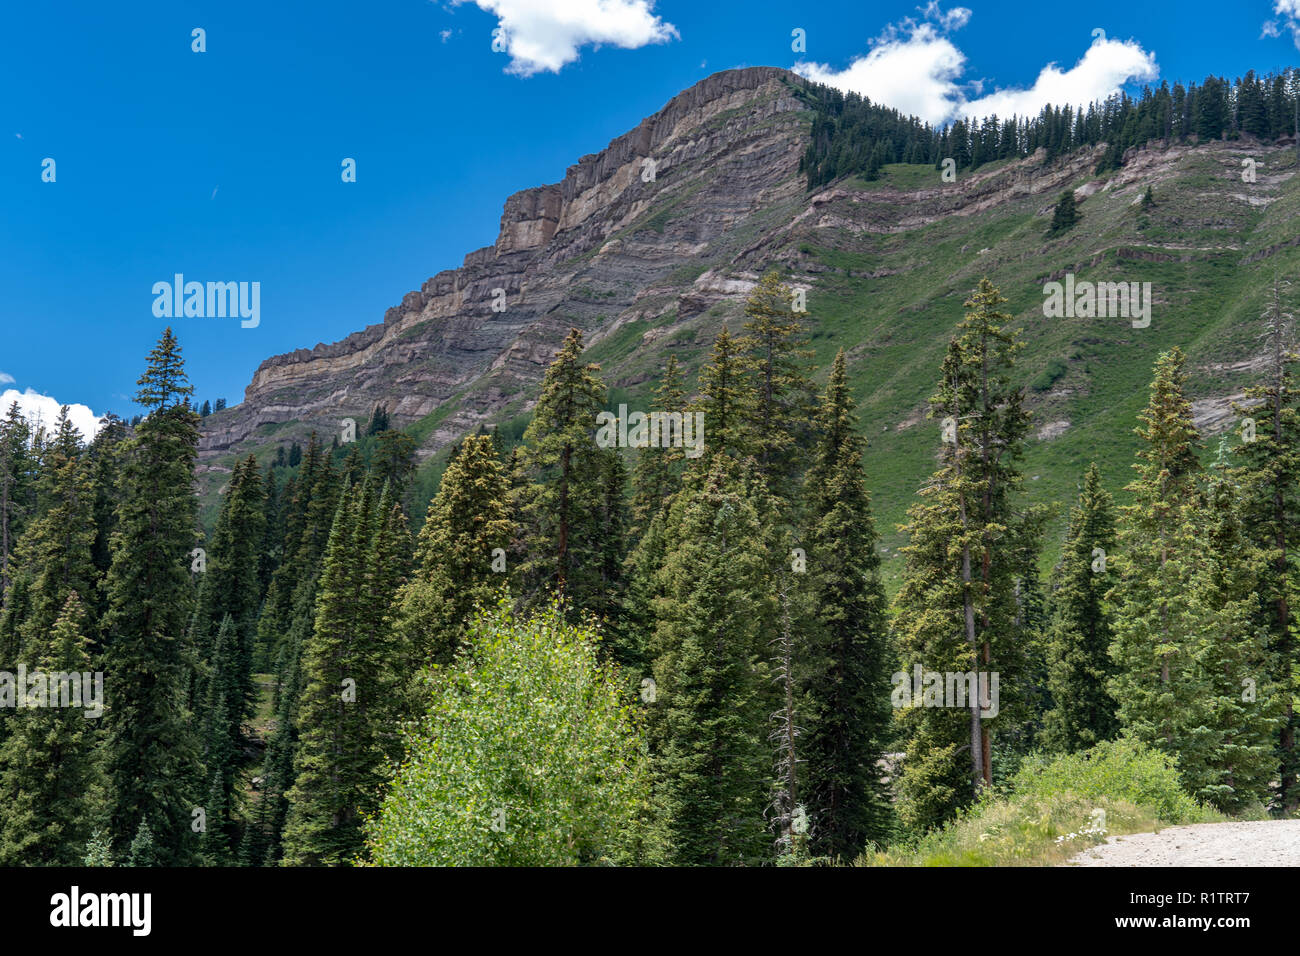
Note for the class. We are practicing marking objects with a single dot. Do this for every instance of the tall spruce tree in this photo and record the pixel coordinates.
(726, 399)
(957, 608)
(712, 761)
(844, 665)
(1159, 619)
(152, 757)
(1270, 480)
(1079, 662)
(1242, 699)
(784, 401)
(561, 507)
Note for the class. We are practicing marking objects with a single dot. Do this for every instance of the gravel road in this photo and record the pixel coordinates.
(1264, 843)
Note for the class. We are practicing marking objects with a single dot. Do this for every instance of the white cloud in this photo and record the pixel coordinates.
(1288, 11)
(915, 68)
(1106, 67)
(954, 19)
(36, 407)
(915, 74)
(544, 35)
(6, 379)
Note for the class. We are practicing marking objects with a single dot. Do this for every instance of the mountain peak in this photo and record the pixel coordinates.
(713, 155)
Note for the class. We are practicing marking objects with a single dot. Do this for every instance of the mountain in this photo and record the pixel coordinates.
(649, 266)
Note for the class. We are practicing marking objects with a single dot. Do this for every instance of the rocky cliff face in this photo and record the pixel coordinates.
(584, 252)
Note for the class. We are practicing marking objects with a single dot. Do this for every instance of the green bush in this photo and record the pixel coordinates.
(1119, 769)
(531, 755)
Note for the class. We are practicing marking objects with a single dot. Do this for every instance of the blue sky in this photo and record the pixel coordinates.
(225, 165)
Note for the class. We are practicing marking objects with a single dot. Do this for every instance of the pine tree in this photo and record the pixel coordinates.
(271, 551)
(152, 760)
(51, 783)
(1242, 703)
(727, 399)
(1064, 216)
(789, 814)
(931, 631)
(708, 722)
(455, 554)
(784, 400)
(658, 470)
(221, 739)
(641, 570)
(318, 799)
(351, 697)
(107, 455)
(99, 850)
(609, 553)
(231, 586)
(282, 747)
(54, 553)
(1079, 650)
(958, 608)
(1160, 618)
(844, 664)
(1270, 480)
(15, 482)
(393, 460)
(308, 517)
(144, 850)
(561, 507)
(284, 630)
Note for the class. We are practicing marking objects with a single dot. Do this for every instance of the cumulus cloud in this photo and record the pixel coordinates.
(43, 409)
(544, 35)
(1105, 67)
(915, 73)
(914, 67)
(1288, 18)
(6, 379)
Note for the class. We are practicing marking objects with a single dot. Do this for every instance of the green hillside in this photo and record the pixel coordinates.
(890, 300)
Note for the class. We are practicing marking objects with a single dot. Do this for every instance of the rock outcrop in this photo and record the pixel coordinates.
(580, 252)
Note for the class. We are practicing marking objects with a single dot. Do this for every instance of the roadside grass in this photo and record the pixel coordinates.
(1019, 831)
(1055, 807)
